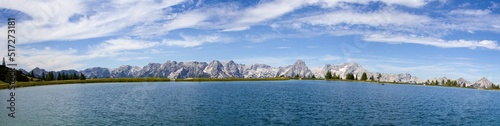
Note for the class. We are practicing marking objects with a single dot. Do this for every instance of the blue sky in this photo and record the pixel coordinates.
(427, 38)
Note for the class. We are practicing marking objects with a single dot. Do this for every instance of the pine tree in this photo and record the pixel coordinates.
(43, 76)
(350, 76)
(364, 77)
(379, 76)
(59, 77)
(50, 76)
(82, 77)
(32, 74)
(371, 78)
(297, 76)
(328, 75)
(334, 76)
(313, 77)
(73, 76)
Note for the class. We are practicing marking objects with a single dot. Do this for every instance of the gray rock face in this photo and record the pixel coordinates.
(462, 81)
(358, 70)
(342, 70)
(401, 78)
(260, 71)
(152, 70)
(189, 70)
(482, 83)
(215, 70)
(98, 72)
(125, 71)
(38, 72)
(299, 68)
(232, 69)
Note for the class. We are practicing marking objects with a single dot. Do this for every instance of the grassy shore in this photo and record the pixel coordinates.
(111, 80)
(4, 85)
(103, 80)
(231, 79)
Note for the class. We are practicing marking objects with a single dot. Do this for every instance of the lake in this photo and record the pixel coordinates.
(251, 103)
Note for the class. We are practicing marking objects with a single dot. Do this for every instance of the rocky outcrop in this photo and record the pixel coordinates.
(482, 83)
(98, 72)
(260, 71)
(462, 82)
(126, 71)
(215, 70)
(299, 68)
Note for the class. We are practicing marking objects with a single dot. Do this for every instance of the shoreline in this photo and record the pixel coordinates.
(114, 80)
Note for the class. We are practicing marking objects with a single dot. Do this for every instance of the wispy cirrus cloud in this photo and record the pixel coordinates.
(476, 12)
(76, 19)
(192, 41)
(488, 44)
(383, 18)
(115, 47)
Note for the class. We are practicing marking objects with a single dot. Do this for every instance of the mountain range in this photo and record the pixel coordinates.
(217, 69)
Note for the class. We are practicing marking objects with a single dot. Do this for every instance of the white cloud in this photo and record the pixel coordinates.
(50, 59)
(378, 18)
(470, 12)
(115, 47)
(51, 18)
(184, 21)
(192, 41)
(408, 3)
(242, 28)
(489, 44)
(79, 19)
(268, 10)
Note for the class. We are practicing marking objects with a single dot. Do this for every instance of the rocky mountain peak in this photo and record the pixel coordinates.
(300, 63)
(352, 64)
(255, 66)
(462, 81)
(483, 83)
(298, 68)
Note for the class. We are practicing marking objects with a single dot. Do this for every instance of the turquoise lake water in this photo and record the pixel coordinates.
(251, 103)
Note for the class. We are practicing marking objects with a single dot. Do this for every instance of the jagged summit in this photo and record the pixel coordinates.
(482, 83)
(462, 81)
(300, 62)
(299, 68)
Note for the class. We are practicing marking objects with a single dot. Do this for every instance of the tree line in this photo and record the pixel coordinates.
(350, 76)
(51, 76)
